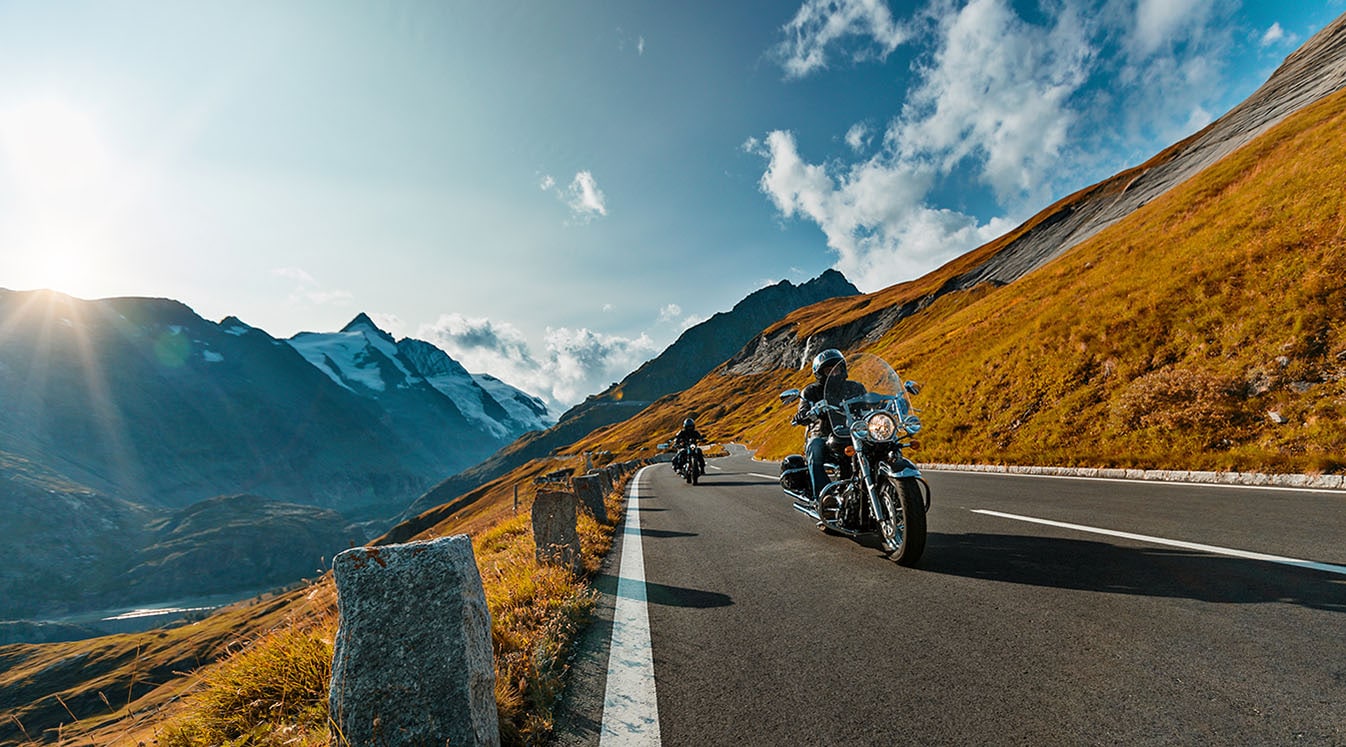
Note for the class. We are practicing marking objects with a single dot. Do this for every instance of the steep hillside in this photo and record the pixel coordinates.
(1207, 330)
(1314, 71)
(696, 352)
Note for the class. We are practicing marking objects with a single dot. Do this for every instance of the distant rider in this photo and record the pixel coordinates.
(689, 437)
(830, 382)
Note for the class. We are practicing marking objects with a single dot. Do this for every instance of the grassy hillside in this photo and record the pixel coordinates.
(257, 673)
(1205, 331)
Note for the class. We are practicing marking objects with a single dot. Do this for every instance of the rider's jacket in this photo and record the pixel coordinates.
(687, 437)
(836, 392)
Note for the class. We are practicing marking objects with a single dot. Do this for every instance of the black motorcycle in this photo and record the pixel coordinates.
(688, 463)
(873, 488)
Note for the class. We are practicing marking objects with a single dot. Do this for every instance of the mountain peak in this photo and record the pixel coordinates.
(362, 323)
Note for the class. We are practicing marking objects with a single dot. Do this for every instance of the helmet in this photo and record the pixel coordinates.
(824, 363)
(688, 423)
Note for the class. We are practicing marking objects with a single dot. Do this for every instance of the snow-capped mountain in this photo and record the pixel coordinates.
(368, 362)
(119, 417)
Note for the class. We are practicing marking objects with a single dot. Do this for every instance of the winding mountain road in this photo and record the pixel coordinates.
(1045, 611)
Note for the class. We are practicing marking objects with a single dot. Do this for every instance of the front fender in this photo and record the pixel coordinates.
(903, 468)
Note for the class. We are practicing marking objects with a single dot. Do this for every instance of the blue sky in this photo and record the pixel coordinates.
(552, 191)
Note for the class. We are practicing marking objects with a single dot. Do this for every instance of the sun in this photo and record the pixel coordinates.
(59, 182)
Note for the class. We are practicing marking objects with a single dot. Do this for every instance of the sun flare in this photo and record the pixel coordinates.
(57, 170)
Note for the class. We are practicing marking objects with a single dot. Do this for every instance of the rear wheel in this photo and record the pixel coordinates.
(904, 529)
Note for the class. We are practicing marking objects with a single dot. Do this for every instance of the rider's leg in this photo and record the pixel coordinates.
(815, 451)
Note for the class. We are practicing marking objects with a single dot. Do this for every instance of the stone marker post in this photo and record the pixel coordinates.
(554, 515)
(412, 663)
(589, 489)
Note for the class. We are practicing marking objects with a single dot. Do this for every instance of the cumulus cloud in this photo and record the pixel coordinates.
(1162, 23)
(857, 137)
(586, 199)
(1012, 103)
(670, 312)
(858, 29)
(1276, 35)
(873, 213)
(573, 364)
(583, 196)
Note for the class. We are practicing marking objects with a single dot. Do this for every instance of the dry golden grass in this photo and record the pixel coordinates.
(266, 684)
(1166, 341)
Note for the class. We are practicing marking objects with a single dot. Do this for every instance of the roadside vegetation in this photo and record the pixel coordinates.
(269, 672)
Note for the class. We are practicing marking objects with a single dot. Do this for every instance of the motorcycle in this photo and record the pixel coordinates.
(688, 463)
(872, 487)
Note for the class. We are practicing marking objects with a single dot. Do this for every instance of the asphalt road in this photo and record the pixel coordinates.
(764, 631)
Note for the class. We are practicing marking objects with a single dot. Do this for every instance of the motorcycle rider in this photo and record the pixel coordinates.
(688, 437)
(830, 384)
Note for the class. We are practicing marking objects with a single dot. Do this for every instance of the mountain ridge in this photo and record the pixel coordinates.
(693, 354)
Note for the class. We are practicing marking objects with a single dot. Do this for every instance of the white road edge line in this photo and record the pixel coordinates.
(764, 477)
(1338, 569)
(630, 709)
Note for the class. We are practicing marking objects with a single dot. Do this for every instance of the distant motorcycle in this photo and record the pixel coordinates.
(873, 487)
(688, 463)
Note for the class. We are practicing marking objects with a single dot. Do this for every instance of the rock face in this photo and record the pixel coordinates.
(413, 663)
(554, 514)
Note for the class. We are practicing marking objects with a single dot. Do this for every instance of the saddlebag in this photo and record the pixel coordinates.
(794, 474)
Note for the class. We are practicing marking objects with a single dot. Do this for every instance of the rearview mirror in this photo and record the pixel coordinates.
(912, 388)
(789, 395)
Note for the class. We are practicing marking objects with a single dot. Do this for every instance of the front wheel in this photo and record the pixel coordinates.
(904, 529)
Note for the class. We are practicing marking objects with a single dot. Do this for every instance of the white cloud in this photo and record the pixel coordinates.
(574, 363)
(581, 361)
(1029, 110)
(997, 94)
(873, 214)
(1161, 23)
(858, 136)
(670, 312)
(390, 323)
(865, 25)
(640, 45)
(585, 198)
(1276, 35)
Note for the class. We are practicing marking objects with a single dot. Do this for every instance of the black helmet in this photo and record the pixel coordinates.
(824, 363)
(688, 423)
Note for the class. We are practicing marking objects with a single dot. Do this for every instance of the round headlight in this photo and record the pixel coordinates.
(882, 426)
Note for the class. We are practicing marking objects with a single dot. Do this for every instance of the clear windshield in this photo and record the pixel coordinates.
(878, 380)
